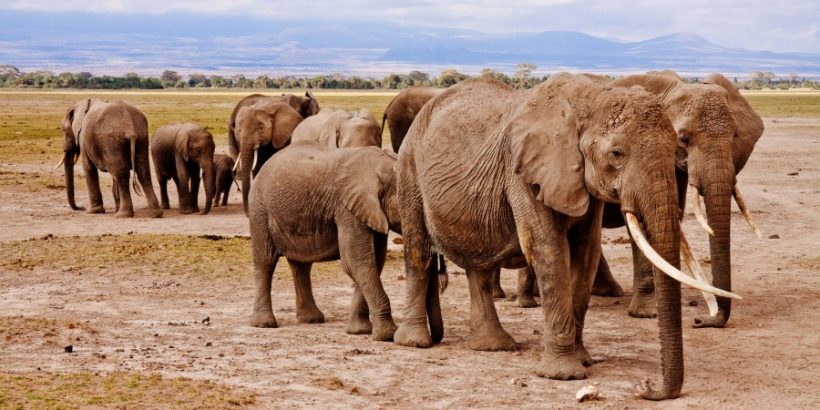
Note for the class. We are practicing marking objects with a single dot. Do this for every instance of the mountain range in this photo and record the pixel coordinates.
(149, 44)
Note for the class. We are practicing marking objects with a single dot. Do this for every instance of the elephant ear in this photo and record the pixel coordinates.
(284, 121)
(544, 140)
(182, 142)
(749, 124)
(359, 188)
(75, 117)
(330, 133)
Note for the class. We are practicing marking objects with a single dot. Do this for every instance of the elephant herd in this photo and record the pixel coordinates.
(486, 175)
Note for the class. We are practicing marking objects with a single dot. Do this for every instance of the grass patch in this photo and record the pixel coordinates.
(785, 104)
(116, 390)
(20, 328)
(34, 182)
(206, 257)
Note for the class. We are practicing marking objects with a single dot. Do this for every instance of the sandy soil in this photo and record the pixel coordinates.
(769, 356)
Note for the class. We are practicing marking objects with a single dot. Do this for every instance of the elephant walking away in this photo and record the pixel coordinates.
(403, 108)
(180, 151)
(110, 137)
(223, 168)
(526, 176)
(314, 204)
(340, 129)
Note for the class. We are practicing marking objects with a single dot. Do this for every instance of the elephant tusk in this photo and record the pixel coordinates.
(62, 160)
(663, 265)
(699, 212)
(255, 158)
(694, 267)
(745, 211)
(236, 165)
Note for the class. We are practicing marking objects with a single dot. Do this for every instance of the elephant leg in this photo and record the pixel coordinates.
(115, 192)
(163, 192)
(264, 263)
(643, 304)
(432, 301)
(486, 332)
(526, 285)
(306, 309)
(195, 178)
(92, 181)
(358, 322)
(585, 254)
(143, 175)
(125, 209)
(498, 292)
(183, 191)
(225, 196)
(605, 284)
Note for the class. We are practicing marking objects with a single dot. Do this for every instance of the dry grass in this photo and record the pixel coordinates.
(116, 390)
(34, 182)
(14, 329)
(785, 104)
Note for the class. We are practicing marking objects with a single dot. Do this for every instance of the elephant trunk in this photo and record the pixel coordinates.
(717, 195)
(209, 178)
(69, 157)
(246, 163)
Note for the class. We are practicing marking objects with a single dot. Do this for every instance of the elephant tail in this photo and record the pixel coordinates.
(384, 119)
(137, 188)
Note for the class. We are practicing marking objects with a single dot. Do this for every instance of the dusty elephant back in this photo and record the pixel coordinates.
(402, 110)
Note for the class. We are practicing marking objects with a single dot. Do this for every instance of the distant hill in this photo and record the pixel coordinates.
(148, 44)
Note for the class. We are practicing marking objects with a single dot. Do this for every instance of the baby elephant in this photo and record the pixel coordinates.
(315, 204)
(223, 167)
(179, 152)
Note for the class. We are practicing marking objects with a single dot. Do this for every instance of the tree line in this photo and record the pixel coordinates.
(12, 77)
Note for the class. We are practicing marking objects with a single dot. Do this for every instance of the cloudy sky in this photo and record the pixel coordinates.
(752, 24)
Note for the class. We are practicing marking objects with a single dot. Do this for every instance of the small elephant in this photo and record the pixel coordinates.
(223, 166)
(403, 108)
(340, 129)
(315, 204)
(110, 137)
(180, 151)
(262, 129)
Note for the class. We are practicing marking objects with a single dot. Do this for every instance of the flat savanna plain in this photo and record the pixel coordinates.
(156, 309)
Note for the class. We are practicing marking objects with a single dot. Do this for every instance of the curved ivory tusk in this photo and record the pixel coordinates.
(745, 211)
(236, 165)
(62, 160)
(255, 158)
(699, 212)
(663, 265)
(694, 267)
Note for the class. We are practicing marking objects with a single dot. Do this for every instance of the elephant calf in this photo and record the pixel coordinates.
(315, 204)
(179, 151)
(223, 169)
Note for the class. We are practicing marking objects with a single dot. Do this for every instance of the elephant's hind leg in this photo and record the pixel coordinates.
(92, 181)
(264, 263)
(498, 292)
(486, 332)
(143, 175)
(116, 193)
(358, 323)
(526, 288)
(306, 309)
(125, 208)
(163, 191)
(605, 284)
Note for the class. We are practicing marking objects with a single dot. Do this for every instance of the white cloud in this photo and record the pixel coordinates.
(753, 24)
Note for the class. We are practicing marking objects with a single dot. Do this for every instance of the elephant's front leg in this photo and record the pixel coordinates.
(92, 181)
(486, 332)
(183, 191)
(527, 288)
(643, 303)
(585, 254)
(306, 309)
(163, 191)
(115, 192)
(195, 178)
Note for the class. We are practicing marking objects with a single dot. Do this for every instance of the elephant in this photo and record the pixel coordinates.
(716, 132)
(314, 204)
(403, 108)
(491, 177)
(305, 106)
(262, 129)
(340, 129)
(180, 152)
(110, 137)
(223, 169)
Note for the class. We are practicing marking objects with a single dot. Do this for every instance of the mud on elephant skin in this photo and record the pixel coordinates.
(180, 151)
(110, 137)
(315, 204)
(526, 177)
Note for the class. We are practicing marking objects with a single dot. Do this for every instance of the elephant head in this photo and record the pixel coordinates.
(194, 143)
(264, 124)
(716, 132)
(72, 125)
(361, 130)
(573, 137)
(309, 105)
(368, 189)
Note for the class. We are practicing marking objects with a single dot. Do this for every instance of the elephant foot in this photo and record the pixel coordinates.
(526, 301)
(155, 213)
(166, 206)
(490, 339)
(561, 367)
(263, 319)
(310, 315)
(97, 209)
(585, 358)
(643, 307)
(498, 293)
(384, 332)
(185, 211)
(359, 326)
(125, 213)
(413, 336)
(608, 289)
(718, 321)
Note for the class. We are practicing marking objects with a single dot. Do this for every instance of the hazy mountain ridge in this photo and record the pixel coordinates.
(151, 43)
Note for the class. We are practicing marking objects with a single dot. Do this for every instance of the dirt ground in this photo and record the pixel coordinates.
(137, 317)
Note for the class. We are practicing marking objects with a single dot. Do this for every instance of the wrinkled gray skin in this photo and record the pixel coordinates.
(315, 204)
(223, 168)
(110, 137)
(180, 151)
(262, 129)
(305, 105)
(403, 108)
(340, 129)
(491, 177)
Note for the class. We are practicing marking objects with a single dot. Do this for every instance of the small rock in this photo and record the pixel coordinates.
(774, 237)
(398, 240)
(208, 344)
(519, 382)
(791, 174)
(693, 302)
(536, 332)
(206, 321)
(68, 349)
(588, 392)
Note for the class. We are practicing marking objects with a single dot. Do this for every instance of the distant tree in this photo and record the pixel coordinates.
(523, 71)
(793, 78)
(419, 77)
(169, 78)
(9, 72)
(449, 77)
(198, 80)
(219, 81)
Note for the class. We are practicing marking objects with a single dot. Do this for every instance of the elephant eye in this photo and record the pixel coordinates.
(616, 153)
(683, 138)
(616, 157)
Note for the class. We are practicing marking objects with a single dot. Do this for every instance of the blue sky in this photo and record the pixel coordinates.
(751, 24)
